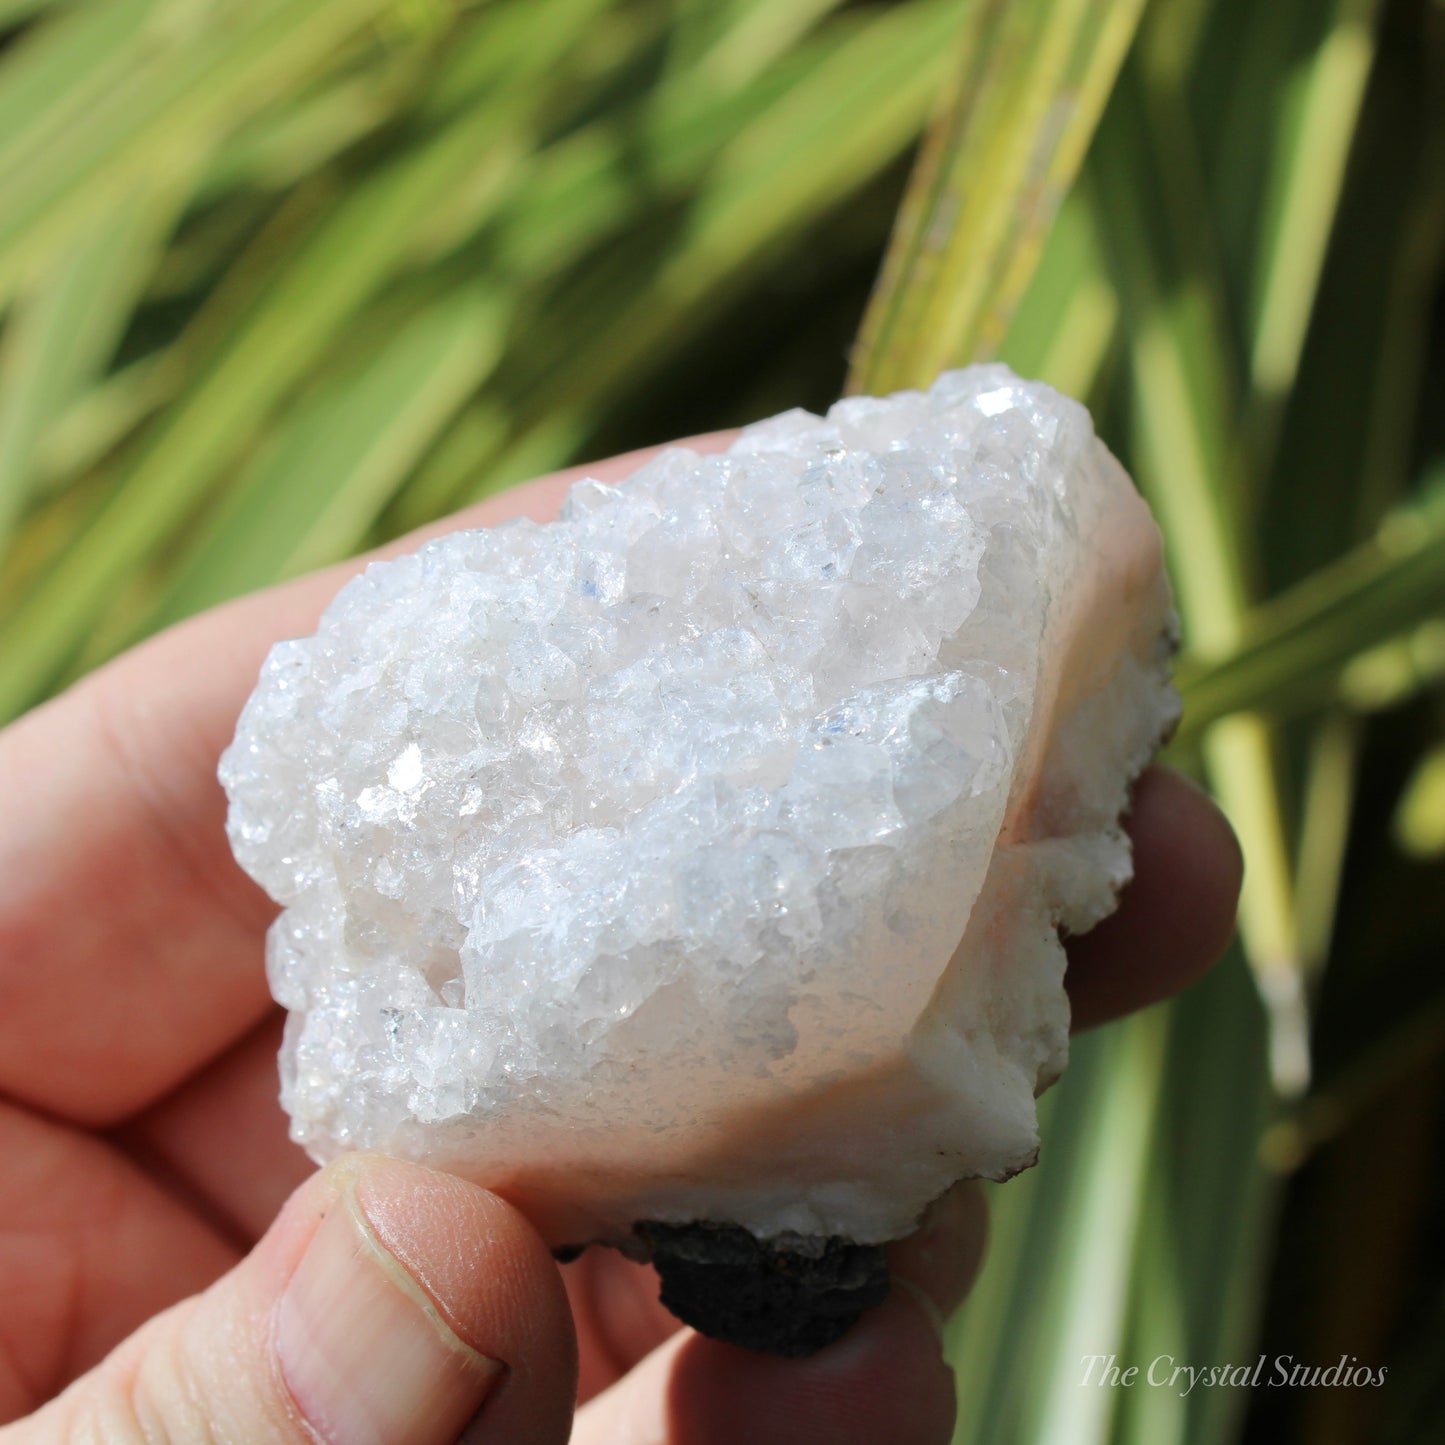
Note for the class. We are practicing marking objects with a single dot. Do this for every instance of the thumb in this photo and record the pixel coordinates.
(386, 1303)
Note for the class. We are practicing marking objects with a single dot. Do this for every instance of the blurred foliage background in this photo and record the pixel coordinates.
(282, 278)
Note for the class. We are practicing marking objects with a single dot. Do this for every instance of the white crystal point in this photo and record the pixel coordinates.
(702, 854)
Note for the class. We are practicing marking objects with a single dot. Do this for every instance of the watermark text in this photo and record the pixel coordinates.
(1165, 1372)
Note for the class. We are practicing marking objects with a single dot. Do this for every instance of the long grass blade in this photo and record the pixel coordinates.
(1305, 192)
(331, 275)
(339, 458)
(55, 72)
(1330, 767)
(998, 1343)
(1420, 818)
(853, 101)
(1024, 99)
(1293, 648)
(1090, 1298)
(186, 83)
(1209, 1215)
(14, 12)
(1066, 323)
(64, 330)
(1186, 459)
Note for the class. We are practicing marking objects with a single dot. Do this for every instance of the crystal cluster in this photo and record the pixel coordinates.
(702, 855)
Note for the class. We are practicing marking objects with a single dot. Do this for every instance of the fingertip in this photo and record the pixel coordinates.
(885, 1380)
(386, 1303)
(491, 1277)
(941, 1258)
(618, 1314)
(1177, 916)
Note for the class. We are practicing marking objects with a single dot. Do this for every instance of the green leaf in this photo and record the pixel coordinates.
(171, 86)
(56, 71)
(288, 142)
(1293, 648)
(334, 271)
(65, 328)
(1305, 186)
(1024, 99)
(13, 12)
(1206, 1228)
(1063, 328)
(315, 491)
(1183, 392)
(1088, 1301)
(856, 98)
(1184, 406)
(996, 1342)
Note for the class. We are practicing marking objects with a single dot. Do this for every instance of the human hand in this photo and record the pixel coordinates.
(156, 1279)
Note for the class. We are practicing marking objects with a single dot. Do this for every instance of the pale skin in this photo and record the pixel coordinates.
(148, 1176)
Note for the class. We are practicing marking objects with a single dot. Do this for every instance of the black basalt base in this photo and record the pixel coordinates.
(726, 1283)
